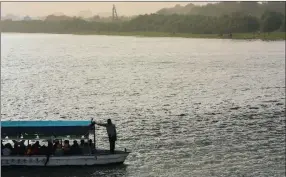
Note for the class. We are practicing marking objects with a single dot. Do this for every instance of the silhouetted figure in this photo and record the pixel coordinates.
(59, 151)
(91, 145)
(75, 148)
(22, 148)
(36, 148)
(55, 145)
(50, 147)
(15, 150)
(81, 143)
(19, 147)
(49, 151)
(29, 150)
(111, 131)
(86, 149)
(43, 150)
(66, 147)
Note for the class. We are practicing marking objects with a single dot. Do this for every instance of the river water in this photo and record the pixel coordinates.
(185, 107)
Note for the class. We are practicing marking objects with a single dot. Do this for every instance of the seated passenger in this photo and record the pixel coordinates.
(86, 149)
(43, 150)
(81, 143)
(55, 145)
(36, 148)
(75, 148)
(66, 147)
(7, 149)
(91, 145)
(19, 147)
(59, 150)
(50, 148)
(22, 149)
(29, 150)
(15, 150)
(81, 146)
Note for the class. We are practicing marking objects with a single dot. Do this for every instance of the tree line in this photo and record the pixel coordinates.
(221, 8)
(236, 22)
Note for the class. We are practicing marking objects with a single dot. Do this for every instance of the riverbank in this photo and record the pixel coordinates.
(275, 36)
(248, 36)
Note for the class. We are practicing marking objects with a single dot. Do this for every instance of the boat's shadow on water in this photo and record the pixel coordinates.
(65, 171)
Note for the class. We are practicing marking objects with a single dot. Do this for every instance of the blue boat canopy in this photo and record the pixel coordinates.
(45, 128)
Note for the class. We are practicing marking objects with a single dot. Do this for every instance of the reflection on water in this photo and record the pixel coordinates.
(185, 107)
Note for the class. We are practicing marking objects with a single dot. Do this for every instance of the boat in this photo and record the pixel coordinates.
(60, 130)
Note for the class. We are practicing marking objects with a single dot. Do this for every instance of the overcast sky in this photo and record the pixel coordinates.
(73, 8)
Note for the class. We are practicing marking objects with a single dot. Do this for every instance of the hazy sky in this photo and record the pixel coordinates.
(73, 8)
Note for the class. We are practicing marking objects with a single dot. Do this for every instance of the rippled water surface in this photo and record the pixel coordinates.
(185, 107)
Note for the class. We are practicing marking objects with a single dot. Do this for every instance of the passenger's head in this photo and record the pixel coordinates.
(108, 121)
(90, 141)
(81, 142)
(75, 142)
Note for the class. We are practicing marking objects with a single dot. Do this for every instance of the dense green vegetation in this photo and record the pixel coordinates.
(224, 8)
(232, 24)
(272, 21)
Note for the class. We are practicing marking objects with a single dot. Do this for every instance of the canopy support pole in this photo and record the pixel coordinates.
(94, 140)
(93, 128)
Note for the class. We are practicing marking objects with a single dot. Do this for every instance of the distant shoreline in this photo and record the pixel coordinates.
(274, 36)
(247, 36)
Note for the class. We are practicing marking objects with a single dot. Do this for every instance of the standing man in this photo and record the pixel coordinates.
(111, 131)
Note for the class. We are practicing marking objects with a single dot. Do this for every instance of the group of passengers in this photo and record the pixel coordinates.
(56, 148)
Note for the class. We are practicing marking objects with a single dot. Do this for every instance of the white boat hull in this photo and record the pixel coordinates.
(81, 160)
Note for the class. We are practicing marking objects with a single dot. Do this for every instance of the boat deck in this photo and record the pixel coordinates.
(98, 152)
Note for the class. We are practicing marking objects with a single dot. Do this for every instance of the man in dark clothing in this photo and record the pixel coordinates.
(20, 147)
(49, 151)
(75, 148)
(111, 131)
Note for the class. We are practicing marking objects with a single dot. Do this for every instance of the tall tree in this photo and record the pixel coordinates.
(271, 21)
